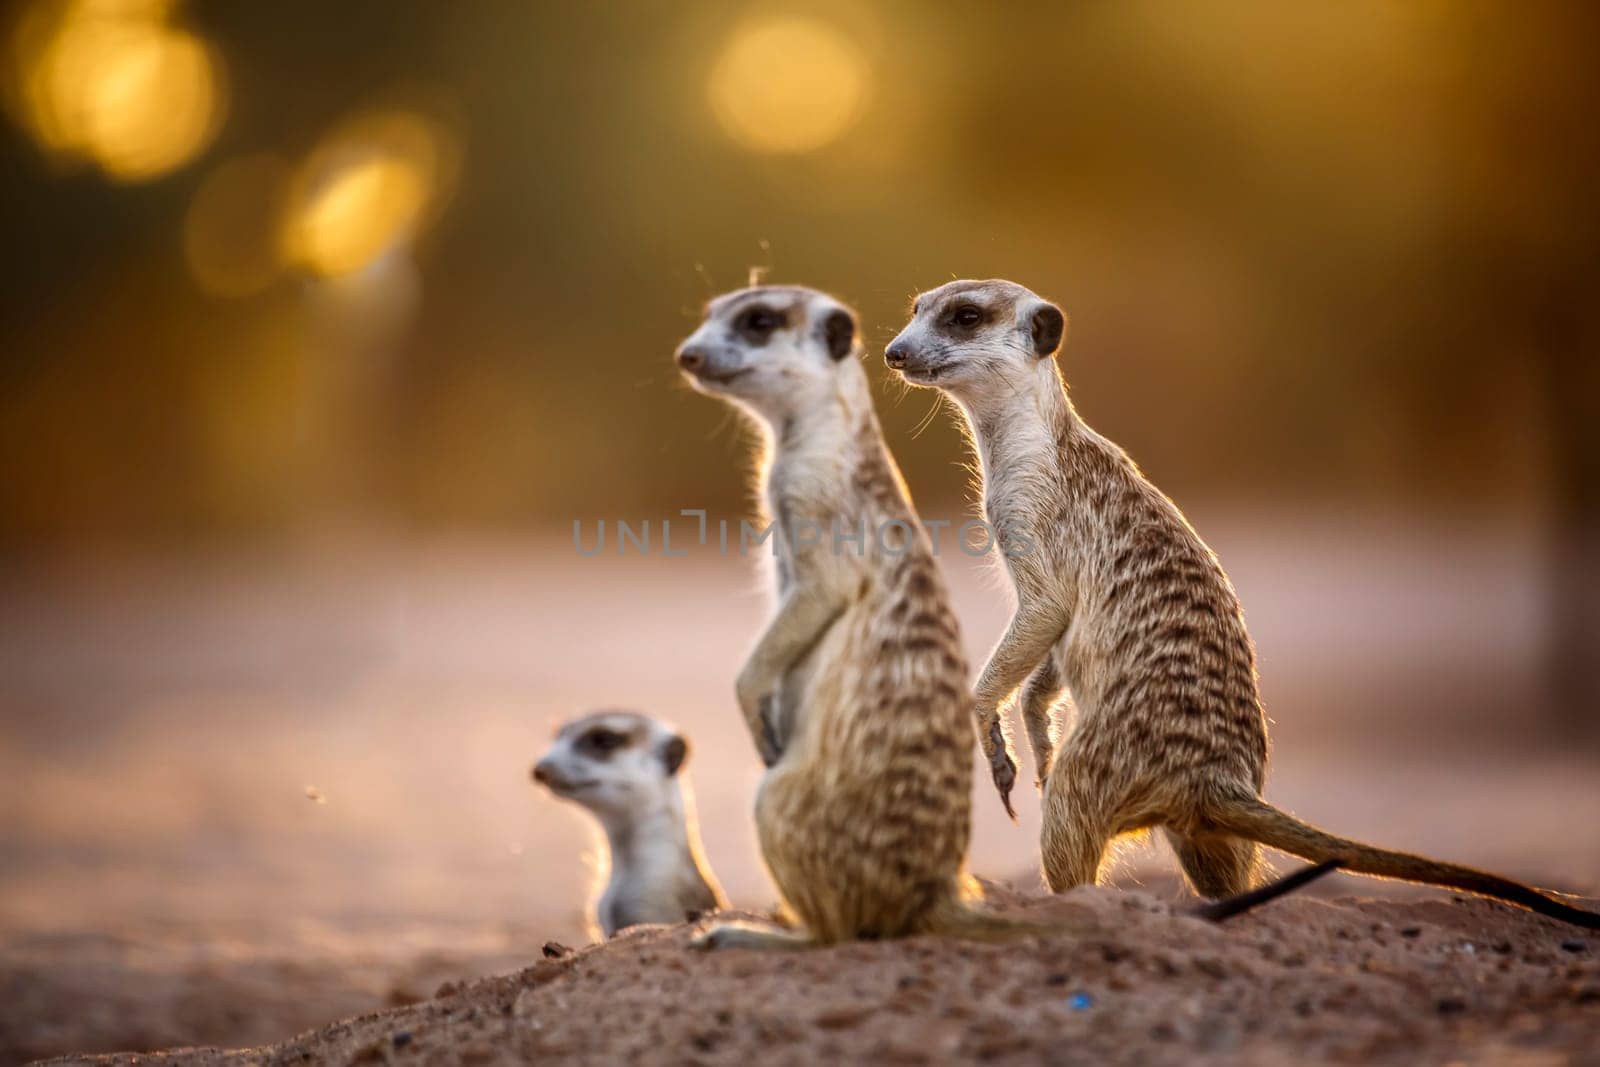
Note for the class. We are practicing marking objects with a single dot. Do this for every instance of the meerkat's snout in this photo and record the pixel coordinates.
(898, 354)
(908, 356)
(548, 773)
(690, 357)
(710, 365)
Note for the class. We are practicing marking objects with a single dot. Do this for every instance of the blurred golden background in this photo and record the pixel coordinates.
(322, 324)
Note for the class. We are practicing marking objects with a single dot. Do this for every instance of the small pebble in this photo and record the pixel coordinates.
(401, 1038)
(1574, 944)
(1411, 931)
(1056, 979)
(1451, 1006)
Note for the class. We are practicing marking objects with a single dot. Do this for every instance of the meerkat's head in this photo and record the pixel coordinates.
(612, 762)
(772, 348)
(975, 340)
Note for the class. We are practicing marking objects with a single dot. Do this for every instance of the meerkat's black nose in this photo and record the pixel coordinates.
(897, 354)
(691, 358)
(541, 774)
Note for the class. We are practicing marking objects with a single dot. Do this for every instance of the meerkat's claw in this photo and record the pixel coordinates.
(1002, 767)
(1005, 777)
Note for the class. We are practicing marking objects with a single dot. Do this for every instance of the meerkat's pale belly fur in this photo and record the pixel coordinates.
(865, 819)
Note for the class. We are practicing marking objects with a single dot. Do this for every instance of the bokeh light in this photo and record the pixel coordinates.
(117, 83)
(230, 233)
(373, 183)
(788, 85)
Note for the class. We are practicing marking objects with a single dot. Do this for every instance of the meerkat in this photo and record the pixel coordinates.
(856, 692)
(1122, 606)
(625, 769)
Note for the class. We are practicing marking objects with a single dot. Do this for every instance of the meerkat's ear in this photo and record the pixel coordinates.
(1048, 326)
(673, 753)
(839, 331)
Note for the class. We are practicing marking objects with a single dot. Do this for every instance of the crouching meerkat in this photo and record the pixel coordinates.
(1122, 605)
(856, 693)
(625, 769)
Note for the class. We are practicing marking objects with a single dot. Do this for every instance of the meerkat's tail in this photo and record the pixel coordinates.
(1222, 910)
(1253, 818)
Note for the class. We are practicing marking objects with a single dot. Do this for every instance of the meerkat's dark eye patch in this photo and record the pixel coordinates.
(601, 742)
(965, 316)
(839, 331)
(757, 324)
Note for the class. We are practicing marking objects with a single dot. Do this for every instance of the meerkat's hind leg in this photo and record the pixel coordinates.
(749, 935)
(1217, 865)
(1078, 825)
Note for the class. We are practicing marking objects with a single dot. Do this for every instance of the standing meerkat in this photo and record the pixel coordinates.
(856, 692)
(625, 769)
(1120, 603)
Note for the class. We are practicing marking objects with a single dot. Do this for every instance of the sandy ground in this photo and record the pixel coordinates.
(165, 880)
(1441, 981)
(150, 986)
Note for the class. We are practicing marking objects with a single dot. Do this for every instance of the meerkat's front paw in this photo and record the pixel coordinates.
(1002, 767)
(767, 744)
(756, 704)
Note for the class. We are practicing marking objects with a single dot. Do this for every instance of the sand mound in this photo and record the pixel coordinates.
(1305, 979)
